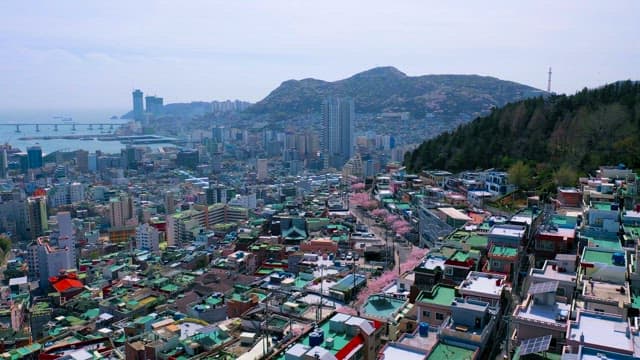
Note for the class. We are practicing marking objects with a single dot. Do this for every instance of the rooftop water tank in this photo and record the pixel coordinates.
(423, 329)
(617, 258)
(315, 339)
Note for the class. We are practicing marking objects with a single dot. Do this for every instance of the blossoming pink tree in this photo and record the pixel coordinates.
(357, 187)
(381, 213)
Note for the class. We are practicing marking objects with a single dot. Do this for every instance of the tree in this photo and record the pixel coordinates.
(565, 176)
(520, 175)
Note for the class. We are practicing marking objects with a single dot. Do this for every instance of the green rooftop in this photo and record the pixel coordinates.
(504, 251)
(382, 306)
(439, 295)
(339, 340)
(592, 255)
(449, 352)
(600, 205)
(461, 256)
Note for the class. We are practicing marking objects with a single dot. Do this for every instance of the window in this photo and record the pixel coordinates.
(439, 316)
(448, 271)
(560, 291)
(426, 313)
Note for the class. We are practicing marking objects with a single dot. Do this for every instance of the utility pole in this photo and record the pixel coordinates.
(549, 81)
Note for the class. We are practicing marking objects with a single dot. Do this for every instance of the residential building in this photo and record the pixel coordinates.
(147, 238)
(338, 119)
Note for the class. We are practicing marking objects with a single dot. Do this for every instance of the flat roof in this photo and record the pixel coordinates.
(382, 306)
(483, 283)
(504, 251)
(439, 295)
(593, 255)
(454, 214)
(508, 230)
(601, 330)
(394, 351)
(544, 313)
(444, 351)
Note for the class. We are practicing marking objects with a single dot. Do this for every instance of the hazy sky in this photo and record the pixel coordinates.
(69, 54)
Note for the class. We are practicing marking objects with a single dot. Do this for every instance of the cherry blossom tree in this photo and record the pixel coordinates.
(375, 286)
(415, 257)
(359, 199)
(381, 213)
(357, 187)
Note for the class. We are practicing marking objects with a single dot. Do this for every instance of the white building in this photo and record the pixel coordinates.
(262, 169)
(147, 238)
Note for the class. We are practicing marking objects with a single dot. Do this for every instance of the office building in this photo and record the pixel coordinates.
(138, 109)
(82, 160)
(154, 105)
(34, 157)
(46, 259)
(188, 159)
(338, 120)
(4, 164)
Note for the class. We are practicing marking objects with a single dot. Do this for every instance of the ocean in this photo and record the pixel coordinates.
(9, 135)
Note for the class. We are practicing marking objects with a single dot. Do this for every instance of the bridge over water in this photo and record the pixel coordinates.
(55, 126)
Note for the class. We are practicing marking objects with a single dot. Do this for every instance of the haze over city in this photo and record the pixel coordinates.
(61, 55)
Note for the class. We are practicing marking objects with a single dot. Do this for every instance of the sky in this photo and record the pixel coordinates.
(83, 55)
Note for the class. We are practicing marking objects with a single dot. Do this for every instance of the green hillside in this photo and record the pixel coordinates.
(578, 132)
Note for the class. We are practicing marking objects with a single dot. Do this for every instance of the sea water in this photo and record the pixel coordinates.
(46, 118)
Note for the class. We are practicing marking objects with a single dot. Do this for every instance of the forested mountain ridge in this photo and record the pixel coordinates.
(581, 131)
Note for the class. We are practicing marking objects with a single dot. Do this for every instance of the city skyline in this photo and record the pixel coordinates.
(76, 57)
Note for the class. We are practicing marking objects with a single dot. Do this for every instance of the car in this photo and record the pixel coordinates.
(343, 256)
(356, 257)
(349, 257)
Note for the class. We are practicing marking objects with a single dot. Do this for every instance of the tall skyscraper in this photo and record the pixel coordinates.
(262, 169)
(154, 104)
(138, 109)
(37, 215)
(121, 211)
(34, 156)
(82, 160)
(4, 165)
(338, 118)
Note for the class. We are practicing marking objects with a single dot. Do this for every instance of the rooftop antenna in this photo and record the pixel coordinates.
(549, 81)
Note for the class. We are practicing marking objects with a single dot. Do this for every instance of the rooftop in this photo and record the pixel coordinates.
(503, 251)
(554, 314)
(602, 330)
(397, 351)
(439, 295)
(594, 255)
(382, 306)
(444, 351)
(485, 284)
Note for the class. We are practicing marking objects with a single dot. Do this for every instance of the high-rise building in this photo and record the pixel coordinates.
(45, 259)
(188, 159)
(4, 165)
(217, 134)
(34, 156)
(65, 227)
(121, 211)
(138, 109)
(37, 215)
(262, 170)
(82, 160)
(154, 104)
(169, 203)
(338, 118)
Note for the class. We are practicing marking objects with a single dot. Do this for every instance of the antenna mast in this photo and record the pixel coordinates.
(549, 81)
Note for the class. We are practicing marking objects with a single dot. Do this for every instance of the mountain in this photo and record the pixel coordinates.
(583, 131)
(387, 89)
